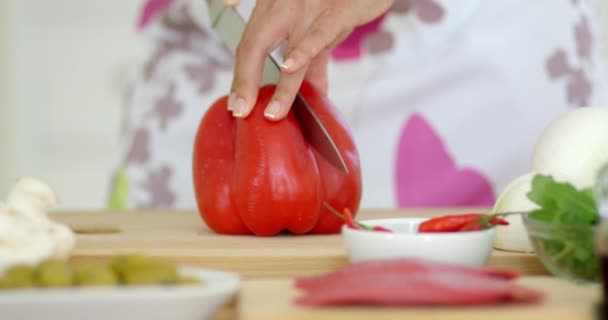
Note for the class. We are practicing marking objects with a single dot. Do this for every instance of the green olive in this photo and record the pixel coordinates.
(126, 269)
(20, 276)
(53, 273)
(138, 269)
(188, 280)
(154, 271)
(120, 263)
(88, 274)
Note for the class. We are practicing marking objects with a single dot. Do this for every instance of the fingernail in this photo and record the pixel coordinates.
(238, 109)
(231, 98)
(288, 64)
(273, 109)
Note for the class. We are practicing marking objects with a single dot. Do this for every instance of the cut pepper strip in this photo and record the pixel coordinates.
(484, 222)
(461, 222)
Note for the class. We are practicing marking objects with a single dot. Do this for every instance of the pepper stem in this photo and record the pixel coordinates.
(347, 217)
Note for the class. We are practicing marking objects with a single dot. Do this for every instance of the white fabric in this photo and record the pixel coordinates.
(478, 77)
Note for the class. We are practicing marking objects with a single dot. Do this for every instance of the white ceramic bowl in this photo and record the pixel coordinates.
(468, 248)
(191, 302)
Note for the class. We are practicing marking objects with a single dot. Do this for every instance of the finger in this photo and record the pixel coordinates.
(320, 36)
(289, 83)
(260, 37)
(341, 37)
(230, 3)
(317, 72)
(284, 95)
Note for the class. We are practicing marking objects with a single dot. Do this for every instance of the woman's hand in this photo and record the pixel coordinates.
(312, 28)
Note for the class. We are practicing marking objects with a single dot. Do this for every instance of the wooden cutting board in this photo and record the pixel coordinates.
(272, 299)
(183, 238)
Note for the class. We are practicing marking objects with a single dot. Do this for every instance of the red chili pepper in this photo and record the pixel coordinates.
(448, 223)
(460, 222)
(483, 223)
(351, 223)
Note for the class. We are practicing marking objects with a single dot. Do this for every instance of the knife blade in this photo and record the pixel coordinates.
(230, 25)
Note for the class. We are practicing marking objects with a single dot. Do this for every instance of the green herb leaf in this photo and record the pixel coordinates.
(561, 202)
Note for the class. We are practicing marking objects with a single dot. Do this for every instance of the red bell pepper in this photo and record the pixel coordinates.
(256, 176)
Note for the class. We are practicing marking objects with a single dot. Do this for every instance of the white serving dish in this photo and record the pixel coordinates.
(468, 248)
(188, 302)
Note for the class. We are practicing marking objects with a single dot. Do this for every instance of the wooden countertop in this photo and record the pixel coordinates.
(183, 238)
(268, 265)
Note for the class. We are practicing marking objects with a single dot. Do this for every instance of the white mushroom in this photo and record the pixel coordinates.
(64, 240)
(27, 234)
(32, 197)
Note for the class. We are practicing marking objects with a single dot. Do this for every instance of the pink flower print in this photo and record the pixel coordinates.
(578, 86)
(579, 89)
(183, 27)
(428, 11)
(139, 152)
(202, 75)
(151, 9)
(186, 33)
(401, 6)
(427, 176)
(583, 38)
(379, 42)
(159, 56)
(157, 187)
(167, 108)
(205, 74)
(372, 39)
(352, 46)
(557, 64)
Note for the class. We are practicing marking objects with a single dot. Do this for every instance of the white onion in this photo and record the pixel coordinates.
(513, 199)
(572, 148)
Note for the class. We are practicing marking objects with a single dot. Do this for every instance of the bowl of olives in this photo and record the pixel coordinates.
(125, 287)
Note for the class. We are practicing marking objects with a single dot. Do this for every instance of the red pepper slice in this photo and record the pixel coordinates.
(483, 223)
(461, 222)
(448, 223)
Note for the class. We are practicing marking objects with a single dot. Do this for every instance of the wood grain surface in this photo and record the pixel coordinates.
(182, 237)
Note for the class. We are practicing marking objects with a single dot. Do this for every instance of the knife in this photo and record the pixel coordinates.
(230, 25)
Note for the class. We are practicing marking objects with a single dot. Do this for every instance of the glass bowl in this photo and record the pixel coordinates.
(568, 251)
